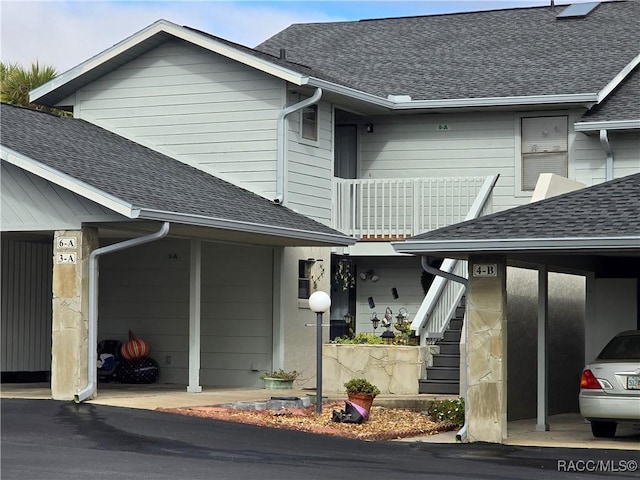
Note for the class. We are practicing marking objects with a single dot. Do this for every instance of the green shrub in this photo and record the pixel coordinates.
(447, 411)
(360, 338)
(361, 386)
(280, 374)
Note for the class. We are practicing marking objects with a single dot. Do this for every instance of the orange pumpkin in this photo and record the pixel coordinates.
(134, 348)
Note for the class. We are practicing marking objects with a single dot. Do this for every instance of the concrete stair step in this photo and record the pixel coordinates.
(449, 348)
(439, 386)
(443, 373)
(452, 336)
(440, 360)
(455, 324)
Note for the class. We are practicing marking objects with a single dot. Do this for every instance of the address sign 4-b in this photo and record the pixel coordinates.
(485, 270)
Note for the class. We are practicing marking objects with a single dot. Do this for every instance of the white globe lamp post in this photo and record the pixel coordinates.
(319, 302)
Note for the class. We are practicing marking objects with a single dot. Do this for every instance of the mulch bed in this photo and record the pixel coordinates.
(383, 424)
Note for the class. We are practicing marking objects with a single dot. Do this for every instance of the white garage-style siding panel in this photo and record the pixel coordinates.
(27, 272)
(197, 106)
(444, 146)
(237, 295)
(146, 290)
(310, 167)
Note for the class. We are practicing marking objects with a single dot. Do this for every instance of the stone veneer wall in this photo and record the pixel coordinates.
(394, 369)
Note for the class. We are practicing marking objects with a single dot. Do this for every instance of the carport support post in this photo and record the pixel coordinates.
(542, 424)
(195, 285)
(70, 322)
(487, 347)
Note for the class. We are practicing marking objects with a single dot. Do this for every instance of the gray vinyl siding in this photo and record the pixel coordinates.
(310, 166)
(146, 290)
(197, 106)
(474, 145)
(27, 272)
(30, 203)
(591, 157)
(401, 273)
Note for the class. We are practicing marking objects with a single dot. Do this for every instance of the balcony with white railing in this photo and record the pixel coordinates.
(389, 209)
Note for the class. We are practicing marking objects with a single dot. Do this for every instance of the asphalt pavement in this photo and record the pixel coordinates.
(47, 439)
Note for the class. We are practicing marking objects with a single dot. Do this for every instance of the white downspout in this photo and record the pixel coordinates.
(92, 366)
(604, 141)
(281, 148)
(461, 436)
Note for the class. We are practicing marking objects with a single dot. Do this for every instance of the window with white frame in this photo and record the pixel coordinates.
(544, 148)
(309, 123)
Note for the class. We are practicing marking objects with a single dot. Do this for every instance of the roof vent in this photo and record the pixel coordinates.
(283, 54)
(579, 10)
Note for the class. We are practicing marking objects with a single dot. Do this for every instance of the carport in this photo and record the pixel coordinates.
(74, 196)
(593, 233)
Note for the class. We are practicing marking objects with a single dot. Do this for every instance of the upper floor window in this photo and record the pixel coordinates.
(309, 123)
(544, 148)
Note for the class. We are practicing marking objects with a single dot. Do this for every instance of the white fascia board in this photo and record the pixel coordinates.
(179, 32)
(586, 99)
(530, 245)
(65, 181)
(578, 98)
(607, 125)
(249, 227)
(611, 86)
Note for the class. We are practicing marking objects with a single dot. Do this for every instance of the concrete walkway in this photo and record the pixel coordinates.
(566, 430)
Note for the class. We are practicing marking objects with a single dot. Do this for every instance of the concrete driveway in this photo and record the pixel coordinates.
(566, 430)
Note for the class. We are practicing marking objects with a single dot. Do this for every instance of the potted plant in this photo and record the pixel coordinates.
(279, 379)
(361, 392)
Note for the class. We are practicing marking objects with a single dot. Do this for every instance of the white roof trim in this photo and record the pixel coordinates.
(250, 227)
(519, 244)
(606, 125)
(396, 102)
(611, 86)
(66, 181)
(177, 31)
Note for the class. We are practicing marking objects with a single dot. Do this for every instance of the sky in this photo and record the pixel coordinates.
(63, 34)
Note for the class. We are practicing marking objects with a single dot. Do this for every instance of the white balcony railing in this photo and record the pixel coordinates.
(395, 208)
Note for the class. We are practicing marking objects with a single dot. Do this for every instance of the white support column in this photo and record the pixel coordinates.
(542, 423)
(195, 280)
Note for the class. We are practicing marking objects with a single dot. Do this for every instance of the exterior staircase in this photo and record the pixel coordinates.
(443, 377)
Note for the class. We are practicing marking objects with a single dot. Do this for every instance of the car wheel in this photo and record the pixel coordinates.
(603, 429)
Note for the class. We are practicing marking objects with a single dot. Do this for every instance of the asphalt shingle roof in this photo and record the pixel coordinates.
(610, 209)
(622, 104)
(138, 175)
(501, 53)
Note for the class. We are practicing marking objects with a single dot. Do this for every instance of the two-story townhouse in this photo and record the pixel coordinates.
(382, 129)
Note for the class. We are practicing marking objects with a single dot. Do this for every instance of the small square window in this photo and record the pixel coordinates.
(544, 148)
(309, 124)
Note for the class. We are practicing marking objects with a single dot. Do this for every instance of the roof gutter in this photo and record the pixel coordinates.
(90, 388)
(248, 227)
(448, 246)
(608, 125)
(404, 102)
(604, 141)
(281, 153)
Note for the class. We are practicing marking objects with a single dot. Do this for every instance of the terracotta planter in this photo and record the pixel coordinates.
(277, 384)
(364, 401)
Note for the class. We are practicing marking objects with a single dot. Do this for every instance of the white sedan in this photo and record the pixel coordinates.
(610, 385)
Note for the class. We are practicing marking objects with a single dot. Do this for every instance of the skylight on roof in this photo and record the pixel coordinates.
(578, 10)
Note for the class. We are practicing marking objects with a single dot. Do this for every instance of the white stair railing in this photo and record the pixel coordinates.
(443, 296)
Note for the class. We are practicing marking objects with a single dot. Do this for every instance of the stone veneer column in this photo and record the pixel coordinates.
(487, 351)
(71, 250)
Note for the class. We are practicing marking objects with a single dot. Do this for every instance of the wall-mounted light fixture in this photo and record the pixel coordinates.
(375, 320)
(369, 275)
(369, 127)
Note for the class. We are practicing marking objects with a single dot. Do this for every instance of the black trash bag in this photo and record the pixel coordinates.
(140, 370)
(352, 413)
